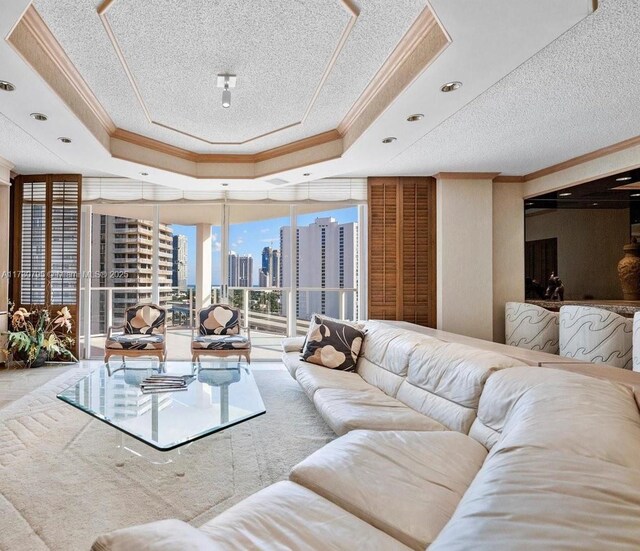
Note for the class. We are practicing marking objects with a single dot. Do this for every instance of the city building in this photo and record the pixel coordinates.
(326, 257)
(269, 273)
(240, 270)
(122, 252)
(180, 259)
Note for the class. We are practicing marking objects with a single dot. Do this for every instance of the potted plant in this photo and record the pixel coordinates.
(35, 337)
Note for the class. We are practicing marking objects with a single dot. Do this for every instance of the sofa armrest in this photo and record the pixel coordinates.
(164, 535)
(293, 344)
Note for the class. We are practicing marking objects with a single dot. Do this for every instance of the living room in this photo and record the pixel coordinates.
(319, 275)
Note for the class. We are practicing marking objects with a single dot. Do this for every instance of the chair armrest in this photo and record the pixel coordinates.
(112, 327)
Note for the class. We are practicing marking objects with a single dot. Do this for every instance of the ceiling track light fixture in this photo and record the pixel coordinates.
(390, 139)
(6, 86)
(307, 174)
(226, 82)
(415, 118)
(144, 174)
(64, 140)
(451, 86)
(39, 117)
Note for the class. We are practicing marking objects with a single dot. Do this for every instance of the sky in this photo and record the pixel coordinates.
(251, 238)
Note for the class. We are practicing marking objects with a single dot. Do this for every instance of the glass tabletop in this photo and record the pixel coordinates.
(220, 394)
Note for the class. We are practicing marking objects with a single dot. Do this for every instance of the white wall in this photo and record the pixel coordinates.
(508, 251)
(465, 256)
(5, 210)
(590, 245)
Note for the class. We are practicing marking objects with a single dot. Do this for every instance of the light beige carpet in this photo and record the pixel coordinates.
(60, 486)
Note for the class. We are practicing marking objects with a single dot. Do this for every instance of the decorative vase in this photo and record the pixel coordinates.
(629, 271)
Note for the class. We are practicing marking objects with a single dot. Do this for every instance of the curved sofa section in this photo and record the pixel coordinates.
(447, 447)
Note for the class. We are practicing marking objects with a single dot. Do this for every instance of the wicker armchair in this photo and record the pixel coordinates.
(219, 334)
(144, 334)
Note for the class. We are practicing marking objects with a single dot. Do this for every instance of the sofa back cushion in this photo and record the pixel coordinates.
(445, 380)
(385, 353)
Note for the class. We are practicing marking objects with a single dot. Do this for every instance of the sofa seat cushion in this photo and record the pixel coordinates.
(313, 377)
(537, 499)
(292, 362)
(163, 535)
(135, 341)
(407, 484)
(445, 381)
(347, 410)
(220, 342)
(289, 516)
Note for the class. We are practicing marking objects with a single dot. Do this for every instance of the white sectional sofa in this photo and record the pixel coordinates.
(443, 446)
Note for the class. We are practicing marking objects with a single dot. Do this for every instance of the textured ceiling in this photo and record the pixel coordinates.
(279, 50)
(579, 94)
(31, 156)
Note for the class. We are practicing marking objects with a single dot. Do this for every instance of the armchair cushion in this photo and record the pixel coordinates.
(220, 342)
(219, 319)
(145, 319)
(135, 342)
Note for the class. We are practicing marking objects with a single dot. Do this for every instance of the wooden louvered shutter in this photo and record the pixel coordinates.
(46, 243)
(402, 250)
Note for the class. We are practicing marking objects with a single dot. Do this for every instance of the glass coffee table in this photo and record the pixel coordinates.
(221, 394)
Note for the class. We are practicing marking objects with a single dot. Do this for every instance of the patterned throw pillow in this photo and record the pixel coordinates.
(332, 343)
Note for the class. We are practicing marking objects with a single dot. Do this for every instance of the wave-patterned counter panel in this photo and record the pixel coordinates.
(636, 341)
(532, 327)
(596, 335)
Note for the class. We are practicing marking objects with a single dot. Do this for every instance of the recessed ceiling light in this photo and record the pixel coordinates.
(6, 86)
(39, 116)
(635, 195)
(144, 174)
(416, 117)
(529, 204)
(225, 184)
(451, 86)
(565, 194)
(623, 179)
(595, 204)
(389, 139)
(64, 140)
(307, 174)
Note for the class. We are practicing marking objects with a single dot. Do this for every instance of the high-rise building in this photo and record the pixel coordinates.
(270, 272)
(122, 255)
(326, 257)
(232, 277)
(179, 268)
(240, 270)
(245, 271)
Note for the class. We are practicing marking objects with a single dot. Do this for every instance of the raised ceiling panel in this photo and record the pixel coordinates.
(279, 51)
(284, 35)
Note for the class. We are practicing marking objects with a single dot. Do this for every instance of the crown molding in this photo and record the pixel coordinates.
(421, 45)
(506, 179)
(466, 175)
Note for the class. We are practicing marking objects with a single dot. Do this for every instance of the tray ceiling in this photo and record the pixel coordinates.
(301, 64)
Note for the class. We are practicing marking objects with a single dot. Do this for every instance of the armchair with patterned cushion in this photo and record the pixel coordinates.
(144, 334)
(219, 334)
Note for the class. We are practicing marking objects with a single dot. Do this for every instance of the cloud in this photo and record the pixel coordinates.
(265, 230)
